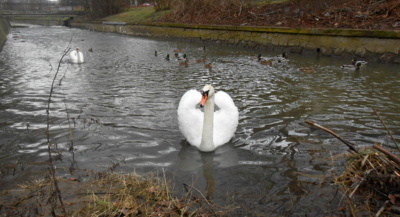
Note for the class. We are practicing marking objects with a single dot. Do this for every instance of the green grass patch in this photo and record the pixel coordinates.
(137, 15)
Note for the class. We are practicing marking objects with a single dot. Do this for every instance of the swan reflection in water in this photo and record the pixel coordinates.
(191, 160)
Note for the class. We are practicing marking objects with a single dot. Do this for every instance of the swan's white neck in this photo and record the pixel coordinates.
(207, 138)
(79, 57)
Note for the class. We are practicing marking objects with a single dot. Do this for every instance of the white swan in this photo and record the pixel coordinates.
(210, 129)
(76, 56)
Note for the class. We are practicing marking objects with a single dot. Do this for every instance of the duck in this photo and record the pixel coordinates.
(264, 61)
(180, 57)
(354, 61)
(347, 66)
(76, 56)
(309, 69)
(167, 57)
(184, 63)
(210, 129)
(259, 57)
(355, 67)
(178, 50)
(282, 58)
(267, 62)
(201, 60)
(208, 65)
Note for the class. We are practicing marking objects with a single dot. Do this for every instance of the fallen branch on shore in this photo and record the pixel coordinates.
(371, 181)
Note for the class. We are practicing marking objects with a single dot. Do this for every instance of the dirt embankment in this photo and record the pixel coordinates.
(355, 14)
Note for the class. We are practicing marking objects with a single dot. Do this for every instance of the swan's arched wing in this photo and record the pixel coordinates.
(73, 55)
(190, 118)
(81, 57)
(226, 118)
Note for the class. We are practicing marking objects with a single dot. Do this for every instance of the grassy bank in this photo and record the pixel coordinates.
(148, 14)
(137, 15)
(108, 194)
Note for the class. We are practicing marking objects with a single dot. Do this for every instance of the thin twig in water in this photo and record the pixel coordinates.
(55, 193)
(290, 197)
(349, 144)
(387, 129)
(71, 138)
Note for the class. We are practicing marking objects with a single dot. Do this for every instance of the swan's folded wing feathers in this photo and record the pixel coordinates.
(225, 119)
(190, 118)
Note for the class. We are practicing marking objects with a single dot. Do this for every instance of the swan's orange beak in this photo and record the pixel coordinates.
(204, 99)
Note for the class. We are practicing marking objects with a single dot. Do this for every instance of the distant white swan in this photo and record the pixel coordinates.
(210, 129)
(76, 56)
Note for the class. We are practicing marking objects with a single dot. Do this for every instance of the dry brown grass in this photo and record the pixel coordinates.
(133, 195)
(371, 180)
(371, 183)
(109, 194)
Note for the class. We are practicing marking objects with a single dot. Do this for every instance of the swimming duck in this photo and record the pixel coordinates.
(309, 69)
(180, 57)
(282, 58)
(267, 62)
(184, 63)
(264, 61)
(178, 50)
(259, 57)
(208, 66)
(167, 57)
(355, 67)
(201, 60)
(354, 61)
(209, 129)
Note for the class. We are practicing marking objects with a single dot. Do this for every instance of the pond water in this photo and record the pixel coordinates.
(122, 109)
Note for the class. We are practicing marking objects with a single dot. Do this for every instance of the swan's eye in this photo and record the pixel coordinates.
(205, 92)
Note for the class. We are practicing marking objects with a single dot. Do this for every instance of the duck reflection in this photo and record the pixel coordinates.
(191, 160)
